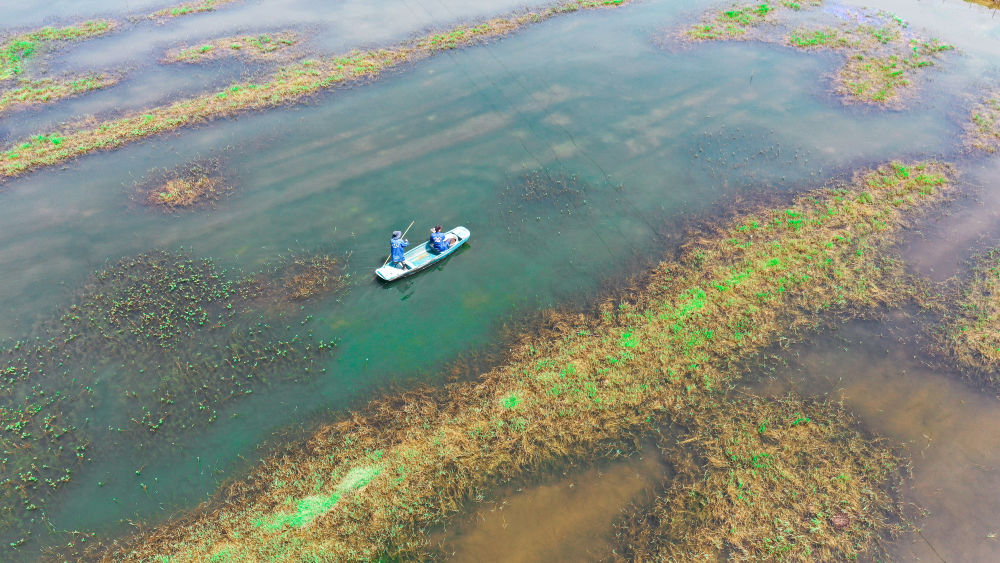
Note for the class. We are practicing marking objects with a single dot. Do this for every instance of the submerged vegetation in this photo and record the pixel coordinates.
(882, 55)
(983, 131)
(291, 83)
(782, 479)
(375, 481)
(971, 334)
(254, 47)
(167, 338)
(306, 277)
(193, 185)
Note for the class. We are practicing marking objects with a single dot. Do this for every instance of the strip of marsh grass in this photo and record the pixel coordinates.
(253, 47)
(971, 331)
(782, 479)
(15, 50)
(30, 92)
(662, 353)
(189, 8)
(290, 84)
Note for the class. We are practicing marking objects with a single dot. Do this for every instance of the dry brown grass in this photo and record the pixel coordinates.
(193, 185)
(293, 83)
(251, 47)
(375, 481)
(778, 480)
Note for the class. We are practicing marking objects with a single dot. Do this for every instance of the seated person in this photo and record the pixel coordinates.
(440, 241)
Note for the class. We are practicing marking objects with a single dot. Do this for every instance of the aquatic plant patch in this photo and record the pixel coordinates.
(662, 353)
(15, 50)
(28, 92)
(306, 277)
(883, 56)
(193, 185)
(292, 83)
(982, 132)
(736, 21)
(971, 331)
(163, 341)
(779, 479)
(188, 8)
(251, 47)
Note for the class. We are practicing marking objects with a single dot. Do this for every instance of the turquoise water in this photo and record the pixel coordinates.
(647, 134)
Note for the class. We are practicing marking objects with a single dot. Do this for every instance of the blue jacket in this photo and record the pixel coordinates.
(397, 245)
(438, 243)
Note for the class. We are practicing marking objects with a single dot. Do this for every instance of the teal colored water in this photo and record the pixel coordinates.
(644, 133)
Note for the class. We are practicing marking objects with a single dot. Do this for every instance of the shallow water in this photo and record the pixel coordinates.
(565, 518)
(948, 426)
(648, 133)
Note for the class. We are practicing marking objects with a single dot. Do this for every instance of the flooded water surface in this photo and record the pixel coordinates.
(576, 151)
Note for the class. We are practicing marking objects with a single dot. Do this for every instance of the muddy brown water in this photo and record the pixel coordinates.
(568, 517)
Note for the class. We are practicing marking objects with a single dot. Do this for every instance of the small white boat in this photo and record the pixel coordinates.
(421, 257)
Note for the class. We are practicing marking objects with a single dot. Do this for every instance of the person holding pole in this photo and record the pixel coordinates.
(396, 245)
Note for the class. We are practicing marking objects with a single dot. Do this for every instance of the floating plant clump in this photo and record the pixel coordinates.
(193, 185)
(311, 276)
(165, 339)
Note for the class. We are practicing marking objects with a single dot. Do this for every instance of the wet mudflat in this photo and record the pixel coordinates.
(566, 178)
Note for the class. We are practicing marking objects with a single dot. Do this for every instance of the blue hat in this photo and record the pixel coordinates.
(396, 234)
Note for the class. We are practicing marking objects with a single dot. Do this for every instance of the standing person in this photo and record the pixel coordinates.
(396, 245)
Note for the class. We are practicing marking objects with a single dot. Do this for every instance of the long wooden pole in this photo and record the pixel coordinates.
(403, 236)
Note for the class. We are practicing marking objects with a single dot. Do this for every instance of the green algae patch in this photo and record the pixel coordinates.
(15, 50)
(982, 132)
(291, 83)
(663, 353)
(251, 47)
(971, 331)
(780, 479)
